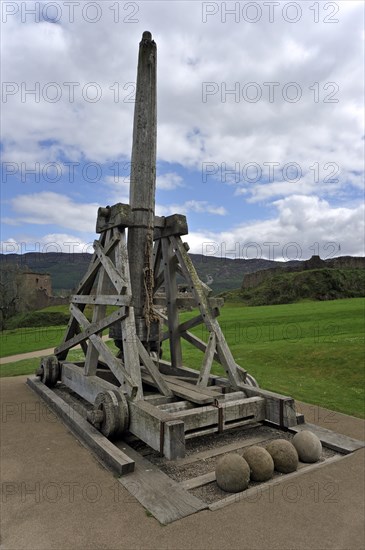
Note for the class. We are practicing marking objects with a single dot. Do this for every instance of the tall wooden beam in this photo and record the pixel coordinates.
(143, 185)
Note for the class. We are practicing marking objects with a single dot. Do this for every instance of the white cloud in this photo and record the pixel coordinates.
(52, 242)
(199, 207)
(191, 131)
(310, 224)
(117, 189)
(118, 186)
(169, 181)
(302, 226)
(53, 208)
(331, 185)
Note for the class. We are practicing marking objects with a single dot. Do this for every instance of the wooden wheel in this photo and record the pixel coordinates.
(49, 371)
(111, 413)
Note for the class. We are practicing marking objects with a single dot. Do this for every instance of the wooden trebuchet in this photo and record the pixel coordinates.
(136, 289)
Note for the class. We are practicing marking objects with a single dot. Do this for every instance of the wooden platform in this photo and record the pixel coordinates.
(169, 499)
(159, 494)
(186, 390)
(101, 447)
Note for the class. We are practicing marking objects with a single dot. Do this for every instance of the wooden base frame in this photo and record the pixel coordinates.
(167, 499)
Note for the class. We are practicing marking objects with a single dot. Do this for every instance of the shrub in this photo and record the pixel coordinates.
(38, 319)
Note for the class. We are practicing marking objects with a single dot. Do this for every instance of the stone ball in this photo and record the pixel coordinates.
(308, 446)
(232, 473)
(284, 455)
(260, 462)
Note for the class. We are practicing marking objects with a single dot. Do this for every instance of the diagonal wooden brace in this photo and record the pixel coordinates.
(88, 279)
(116, 365)
(153, 370)
(207, 361)
(198, 343)
(117, 280)
(224, 353)
(93, 328)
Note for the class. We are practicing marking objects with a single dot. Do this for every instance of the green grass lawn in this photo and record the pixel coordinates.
(34, 338)
(26, 339)
(312, 351)
(29, 366)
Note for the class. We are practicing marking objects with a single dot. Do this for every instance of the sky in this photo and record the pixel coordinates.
(260, 123)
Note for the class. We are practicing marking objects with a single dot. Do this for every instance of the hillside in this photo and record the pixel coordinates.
(66, 270)
(315, 284)
(221, 274)
(228, 273)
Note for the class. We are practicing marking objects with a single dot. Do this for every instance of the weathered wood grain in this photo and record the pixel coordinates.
(159, 429)
(92, 328)
(169, 262)
(102, 299)
(186, 392)
(198, 481)
(207, 361)
(88, 387)
(99, 312)
(153, 370)
(158, 493)
(113, 216)
(175, 224)
(128, 324)
(112, 457)
(114, 275)
(143, 180)
(203, 302)
(115, 365)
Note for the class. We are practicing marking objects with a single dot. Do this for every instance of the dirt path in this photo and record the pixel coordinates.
(29, 355)
(34, 354)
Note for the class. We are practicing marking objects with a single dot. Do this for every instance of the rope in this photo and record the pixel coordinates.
(148, 279)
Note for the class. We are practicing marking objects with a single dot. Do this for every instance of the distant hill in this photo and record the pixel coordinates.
(286, 287)
(221, 274)
(66, 270)
(228, 273)
(251, 280)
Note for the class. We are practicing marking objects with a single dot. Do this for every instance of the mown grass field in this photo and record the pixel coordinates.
(26, 339)
(33, 335)
(29, 366)
(313, 351)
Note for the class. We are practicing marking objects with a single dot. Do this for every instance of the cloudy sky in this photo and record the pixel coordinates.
(260, 122)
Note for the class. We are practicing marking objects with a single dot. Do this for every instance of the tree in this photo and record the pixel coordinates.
(13, 295)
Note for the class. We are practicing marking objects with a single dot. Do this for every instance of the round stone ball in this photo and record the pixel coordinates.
(232, 473)
(260, 462)
(308, 446)
(284, 455)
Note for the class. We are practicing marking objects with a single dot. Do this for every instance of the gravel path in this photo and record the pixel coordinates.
(34, 354)
(29, 355)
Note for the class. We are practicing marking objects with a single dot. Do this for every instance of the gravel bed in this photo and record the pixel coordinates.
(183, 472)
(212, 493)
